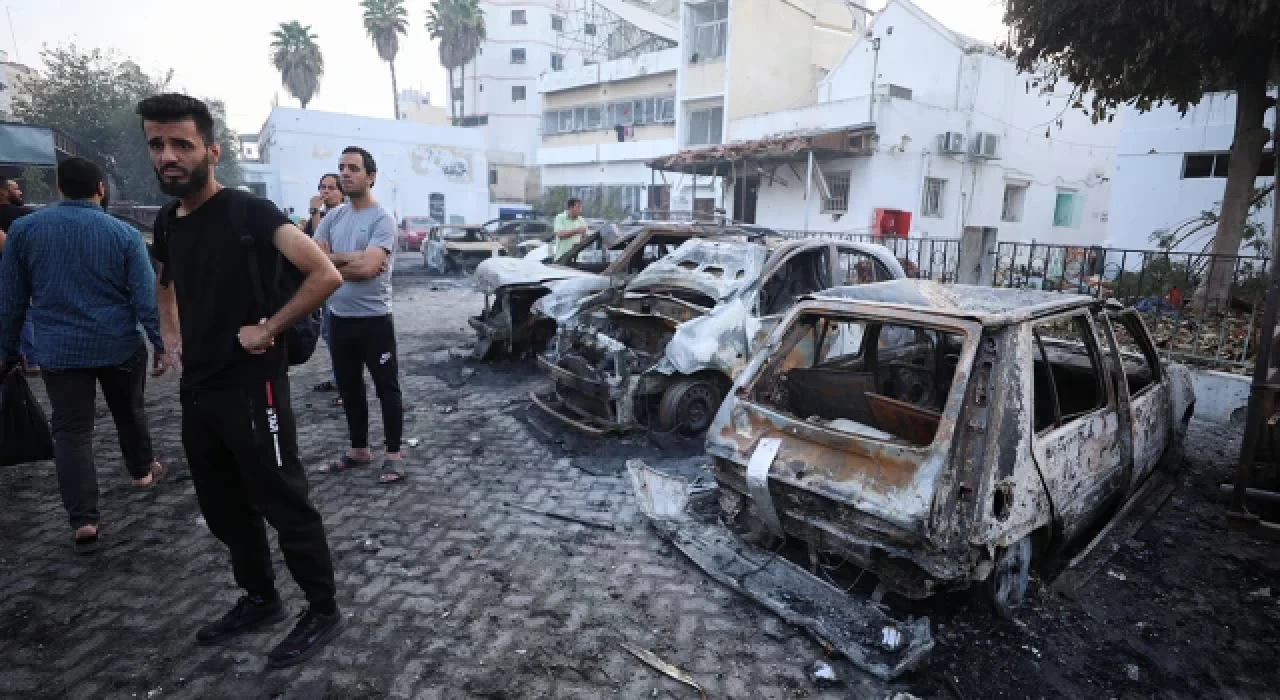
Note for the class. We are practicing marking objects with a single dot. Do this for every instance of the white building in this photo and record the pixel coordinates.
(1170, 168)
(601, 124)
(11, 76)
(415, 106)
(941, 129)
(423, 169)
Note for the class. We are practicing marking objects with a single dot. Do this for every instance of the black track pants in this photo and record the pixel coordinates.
(368, 342)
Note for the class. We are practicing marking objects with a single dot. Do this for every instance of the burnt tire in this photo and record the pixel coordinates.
(1006, 587)
(689, 406)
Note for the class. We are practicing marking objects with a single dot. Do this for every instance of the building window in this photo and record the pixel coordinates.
(518, 17)
(705, 126)
(517, 93)
(1067, 208)
(435, 206)
(557, 61)
(594, 118)
(1197, 166)
(1015, 200)
(710, 28)
(589, 29)
(557, 23)
(550, 123)
(493, 176)
(480, 87)
(934, 189)
(517, 55)
(838, 188)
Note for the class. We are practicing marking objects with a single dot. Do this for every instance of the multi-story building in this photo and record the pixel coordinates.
(1171, 168)
(11, 76)
(917, 130)
(415, 106)
(601, 123)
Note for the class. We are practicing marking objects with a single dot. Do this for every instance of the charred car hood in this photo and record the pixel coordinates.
(492, 274)
(715, 269)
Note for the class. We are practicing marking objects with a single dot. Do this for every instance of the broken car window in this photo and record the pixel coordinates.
(1067, 371)
(880, 380)
(857, 268)
(804, 273)
(1141, 365)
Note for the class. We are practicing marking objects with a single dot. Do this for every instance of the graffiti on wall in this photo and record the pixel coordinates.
(453, 164)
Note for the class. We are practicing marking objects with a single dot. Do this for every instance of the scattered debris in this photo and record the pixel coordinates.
(371, 545)
(667, 669)
(1132, 671)
(562, 516)
(891, 639)
(822, 674)
(1117, 576)
(412, 442)
(467, 373)
(659, 495)
(1261, 593)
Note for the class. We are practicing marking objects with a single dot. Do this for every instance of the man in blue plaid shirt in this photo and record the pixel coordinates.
(86, 281)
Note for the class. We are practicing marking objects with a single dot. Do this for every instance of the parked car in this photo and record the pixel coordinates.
(454, 249)
(414, 230)
(511, 233)
(942, 436)
(663, 351)
(609, 255)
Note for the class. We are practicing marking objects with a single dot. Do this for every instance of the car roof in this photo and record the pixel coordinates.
(991, 306)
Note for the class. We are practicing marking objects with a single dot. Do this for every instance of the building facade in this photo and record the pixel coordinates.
(423, 169)
(415, 106)
(1171, 168)
(949, 136)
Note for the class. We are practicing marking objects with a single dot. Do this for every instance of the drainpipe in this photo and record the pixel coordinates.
(875, 72)
(808, 191)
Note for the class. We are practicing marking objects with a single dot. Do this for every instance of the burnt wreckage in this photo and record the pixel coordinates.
(663, 351)
(935, 436)
(606, 257)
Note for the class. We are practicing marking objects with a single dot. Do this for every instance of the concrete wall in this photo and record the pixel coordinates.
(662, 84)
(769, 59)
(1150, 193)
(702, 79)
(646, 132)
(414, 161)
(1220, 397)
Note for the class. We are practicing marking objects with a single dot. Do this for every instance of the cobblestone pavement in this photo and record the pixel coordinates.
(448, 592)
(451, 593)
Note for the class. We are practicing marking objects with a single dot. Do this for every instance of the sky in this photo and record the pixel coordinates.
(221, 49)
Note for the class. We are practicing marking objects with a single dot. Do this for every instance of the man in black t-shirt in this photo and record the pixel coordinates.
(237, 424)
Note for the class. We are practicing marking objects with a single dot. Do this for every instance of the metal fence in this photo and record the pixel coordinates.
(934, 259)
(1168, 288)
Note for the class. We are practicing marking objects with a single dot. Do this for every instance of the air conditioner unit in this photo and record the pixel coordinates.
(985, 146)
(951, 142)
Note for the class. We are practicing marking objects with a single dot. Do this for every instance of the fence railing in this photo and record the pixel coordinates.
(1193, 318)
(934, 259)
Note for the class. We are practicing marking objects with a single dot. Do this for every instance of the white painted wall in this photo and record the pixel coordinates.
(1150, 193)
(299, 146)
(956, 86)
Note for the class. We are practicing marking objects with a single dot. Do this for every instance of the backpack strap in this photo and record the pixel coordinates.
(160, 229)
(240, 225)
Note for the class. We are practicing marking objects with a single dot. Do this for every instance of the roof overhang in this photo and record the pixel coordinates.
(847, 142)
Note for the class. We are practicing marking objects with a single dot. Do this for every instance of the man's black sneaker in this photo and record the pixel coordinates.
(313, 631)
(249, 613)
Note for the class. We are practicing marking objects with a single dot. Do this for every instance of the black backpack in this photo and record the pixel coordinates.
(299, 340)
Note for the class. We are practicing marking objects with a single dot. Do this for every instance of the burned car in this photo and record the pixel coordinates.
(607, 256)
(663, 351)
(451, 250)
(943, 436)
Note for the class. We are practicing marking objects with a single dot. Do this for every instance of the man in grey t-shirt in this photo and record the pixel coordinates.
(359, 237)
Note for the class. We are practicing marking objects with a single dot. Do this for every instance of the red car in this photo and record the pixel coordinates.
(414, 230)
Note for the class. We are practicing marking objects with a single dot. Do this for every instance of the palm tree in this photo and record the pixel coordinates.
(296, 55)
(385, 21)
(459, 26)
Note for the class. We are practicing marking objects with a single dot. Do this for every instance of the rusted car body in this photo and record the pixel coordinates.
(454, 249)
(663, 351)
(608, 256)
(937, 436)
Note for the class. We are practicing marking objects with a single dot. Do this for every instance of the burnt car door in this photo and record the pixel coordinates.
(1078, 444)
(1148, 388)
(800, 272)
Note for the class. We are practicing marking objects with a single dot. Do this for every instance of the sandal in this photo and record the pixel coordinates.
(158, 471)
(344, 463)
(392, 472)
(86, 544)
(326, 385)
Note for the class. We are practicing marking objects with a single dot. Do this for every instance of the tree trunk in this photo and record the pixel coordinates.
(1214, 292)
(453, 102)
(462, 93)
(395, 91)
